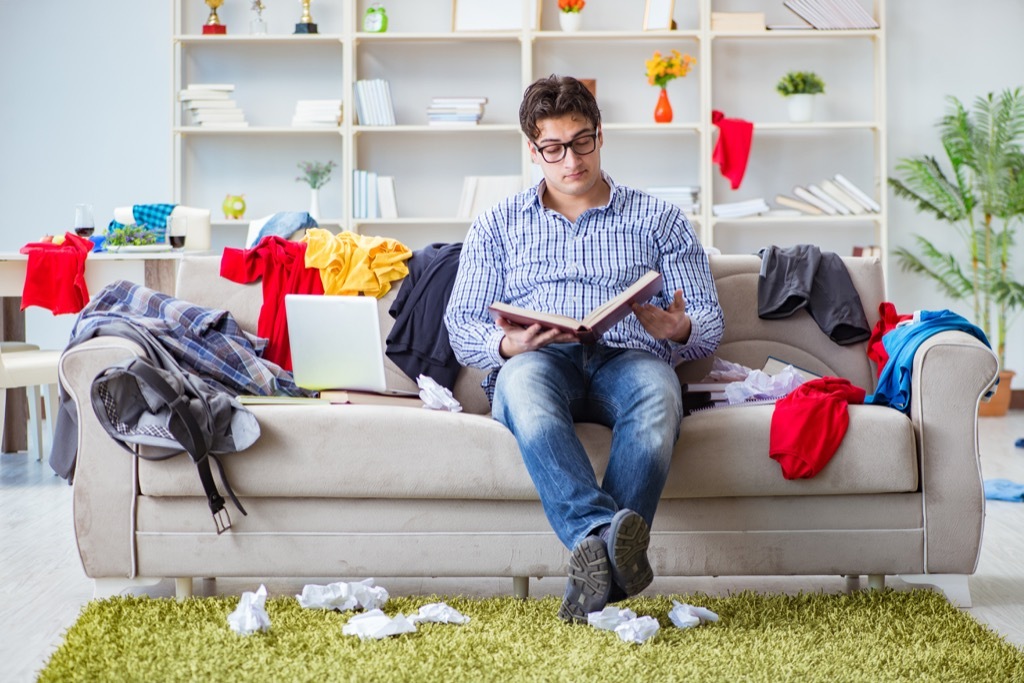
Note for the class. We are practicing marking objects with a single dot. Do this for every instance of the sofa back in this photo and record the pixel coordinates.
(747, 340)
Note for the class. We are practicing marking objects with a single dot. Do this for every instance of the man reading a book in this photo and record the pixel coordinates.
(566, 246)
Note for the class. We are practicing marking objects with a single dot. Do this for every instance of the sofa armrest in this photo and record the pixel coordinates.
(951, 373)
(104, 488)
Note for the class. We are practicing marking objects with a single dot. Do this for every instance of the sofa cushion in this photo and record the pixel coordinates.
(375, 451)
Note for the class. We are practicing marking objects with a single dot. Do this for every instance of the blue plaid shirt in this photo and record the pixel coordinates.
(153, 216)
(524, 254)
(205, 341)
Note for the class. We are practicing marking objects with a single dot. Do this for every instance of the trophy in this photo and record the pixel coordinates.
(305, 24)
(213, 25)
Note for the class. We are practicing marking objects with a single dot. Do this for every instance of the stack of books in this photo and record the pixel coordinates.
(455, 111)
(326, 113)
(210, 105)
(737, 22)
(832, 14)
(373, 196)
(686, 197)
(373, 103)
(750, 207)
(835, 196)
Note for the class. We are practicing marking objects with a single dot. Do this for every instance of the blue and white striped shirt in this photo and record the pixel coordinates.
(522, 253)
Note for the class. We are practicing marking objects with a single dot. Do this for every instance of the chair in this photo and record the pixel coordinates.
(30, 368)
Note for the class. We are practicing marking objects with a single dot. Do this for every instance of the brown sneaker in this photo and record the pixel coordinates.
(628, 538)
(589, 581)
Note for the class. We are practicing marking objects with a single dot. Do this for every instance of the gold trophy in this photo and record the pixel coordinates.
(305, 24)
(213, 25)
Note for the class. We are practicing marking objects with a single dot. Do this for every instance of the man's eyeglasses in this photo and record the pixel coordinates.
(581, 146)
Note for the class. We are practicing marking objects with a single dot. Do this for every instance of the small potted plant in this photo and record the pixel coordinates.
(257, 26)
(569, 16)
(316, 175)
(799, 88)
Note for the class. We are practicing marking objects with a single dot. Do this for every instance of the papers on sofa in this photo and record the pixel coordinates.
(688, 616)
(438, 613)
(343, 596)
(376, 625)
(435, 396)
(251, 614)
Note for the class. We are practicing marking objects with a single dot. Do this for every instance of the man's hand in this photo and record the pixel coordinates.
(672, 323)
(522, 339)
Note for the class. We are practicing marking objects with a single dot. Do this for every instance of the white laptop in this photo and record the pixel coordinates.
(335, 342)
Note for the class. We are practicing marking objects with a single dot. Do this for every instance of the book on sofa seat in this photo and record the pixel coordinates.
(349, 397)
(597, 322)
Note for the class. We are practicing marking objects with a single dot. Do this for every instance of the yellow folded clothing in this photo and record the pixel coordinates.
(350, 263)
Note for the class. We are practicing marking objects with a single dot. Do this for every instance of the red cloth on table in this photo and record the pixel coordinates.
(733, 146)
(55, 275)
(887, 321)
(809, 424)
(281, 264)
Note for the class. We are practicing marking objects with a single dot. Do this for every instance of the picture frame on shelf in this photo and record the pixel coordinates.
(658, 15)
(487, 15)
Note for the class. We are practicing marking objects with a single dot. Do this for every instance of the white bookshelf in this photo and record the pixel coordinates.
(422, 57)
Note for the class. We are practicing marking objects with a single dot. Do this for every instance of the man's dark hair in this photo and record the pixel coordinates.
(553, 97)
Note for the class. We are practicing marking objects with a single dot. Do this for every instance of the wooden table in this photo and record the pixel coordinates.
(157, 270)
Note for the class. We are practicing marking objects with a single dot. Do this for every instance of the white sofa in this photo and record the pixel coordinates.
(356, 491)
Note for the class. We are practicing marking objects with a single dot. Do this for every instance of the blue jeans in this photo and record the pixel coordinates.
(540, 394)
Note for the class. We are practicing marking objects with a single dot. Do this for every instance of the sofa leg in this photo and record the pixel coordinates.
(954, 586)
(852, 582)
(876, 582)
(183, 587)
(521, 587)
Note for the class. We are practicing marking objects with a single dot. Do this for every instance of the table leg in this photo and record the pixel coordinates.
(12, 328)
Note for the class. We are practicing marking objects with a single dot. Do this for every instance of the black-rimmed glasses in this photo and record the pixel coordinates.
(581, 146)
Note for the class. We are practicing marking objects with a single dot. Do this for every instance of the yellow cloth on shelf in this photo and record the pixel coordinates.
(350, 263)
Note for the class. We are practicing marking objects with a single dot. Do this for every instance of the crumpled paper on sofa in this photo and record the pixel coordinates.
(375, 624)
(435, 396)
(688, 616)
(760, 385)
(343, 596)
(439, 613)
(251, 614)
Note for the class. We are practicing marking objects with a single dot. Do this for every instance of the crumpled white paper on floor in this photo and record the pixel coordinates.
(250, 615)
(610, 617)
(343, 596)
(637, 630)
(436, 397)
(375, 624)
(688, 616)
(440, 613)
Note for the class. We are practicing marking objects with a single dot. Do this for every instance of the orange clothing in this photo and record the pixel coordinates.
(355, 264)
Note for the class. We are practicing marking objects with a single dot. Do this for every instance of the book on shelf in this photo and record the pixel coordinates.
(805, 195)
(193, 95)
(480, 193)
(802, 206)
(737, 21)
(317, 113)
(220, 87)
(832, 14)
(597, 322)
(386, 196)
(455, 110)
(839, 194)
(373, 102)
(211, 104)
(858, 194)
(686, 197)
(871, 251)
(742, 209)
(401, 399)
(823, 196)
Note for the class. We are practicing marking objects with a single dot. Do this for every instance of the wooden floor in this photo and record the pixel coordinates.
(42, 587)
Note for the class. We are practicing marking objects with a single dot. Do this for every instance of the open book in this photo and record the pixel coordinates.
(597, 322)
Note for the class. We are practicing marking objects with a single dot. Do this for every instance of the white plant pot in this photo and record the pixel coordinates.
(570, 21)
(314, 204)
(801, 108)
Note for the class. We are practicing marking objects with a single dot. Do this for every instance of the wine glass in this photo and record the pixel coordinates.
(84, 223)
(177, 230)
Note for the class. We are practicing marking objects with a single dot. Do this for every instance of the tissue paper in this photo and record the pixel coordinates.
(250, 615)
(440, 613)
(688, 616)
(343, 596)
(637, 630)
(375, 624)
(436, 397)
(610, 617)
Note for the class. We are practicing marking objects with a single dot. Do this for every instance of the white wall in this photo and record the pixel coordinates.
(85, 110)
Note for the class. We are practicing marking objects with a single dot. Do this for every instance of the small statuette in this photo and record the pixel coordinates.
(305, 24)
(213, 25)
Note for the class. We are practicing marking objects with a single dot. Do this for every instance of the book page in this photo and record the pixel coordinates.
(526, 317)
(641, 290)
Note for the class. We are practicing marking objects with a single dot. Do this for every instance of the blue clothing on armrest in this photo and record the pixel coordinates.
(902, 343)
(284, 224)
(1004, 489)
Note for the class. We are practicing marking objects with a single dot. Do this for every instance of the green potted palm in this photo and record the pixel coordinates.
(982, 198)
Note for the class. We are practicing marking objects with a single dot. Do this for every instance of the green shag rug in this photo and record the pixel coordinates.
(863, 636)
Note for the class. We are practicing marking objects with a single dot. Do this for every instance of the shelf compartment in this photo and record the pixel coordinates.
(198, 39)
(257, 130)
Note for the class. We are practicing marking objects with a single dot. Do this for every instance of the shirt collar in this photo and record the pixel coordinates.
(616, 197)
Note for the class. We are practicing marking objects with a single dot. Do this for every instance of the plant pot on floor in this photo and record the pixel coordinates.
(999, 404)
